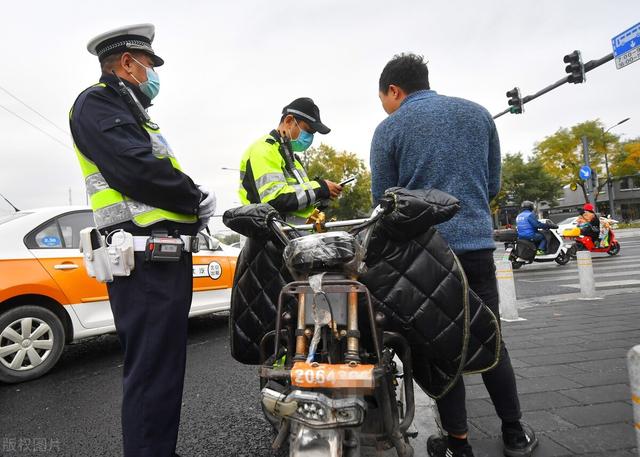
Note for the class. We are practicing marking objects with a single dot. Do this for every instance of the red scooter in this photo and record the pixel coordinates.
(585, 243)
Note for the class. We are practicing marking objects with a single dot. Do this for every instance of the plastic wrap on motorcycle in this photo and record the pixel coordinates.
(323, 252)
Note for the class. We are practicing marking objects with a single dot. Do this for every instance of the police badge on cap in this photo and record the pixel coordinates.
(136, 37)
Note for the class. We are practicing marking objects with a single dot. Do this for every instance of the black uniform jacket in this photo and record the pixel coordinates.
(107, 133)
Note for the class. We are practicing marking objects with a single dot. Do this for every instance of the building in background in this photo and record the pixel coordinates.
(626, 200)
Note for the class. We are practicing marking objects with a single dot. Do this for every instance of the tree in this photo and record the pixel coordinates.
(525, 180)
(327, 163)
(561, 153)
(627, 162)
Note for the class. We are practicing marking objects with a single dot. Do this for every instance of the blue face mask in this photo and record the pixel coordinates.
(151, 87)
(303, 142)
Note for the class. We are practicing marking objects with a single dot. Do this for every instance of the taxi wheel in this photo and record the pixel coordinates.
(31, 342)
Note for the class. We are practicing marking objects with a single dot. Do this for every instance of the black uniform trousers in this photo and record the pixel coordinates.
(500, 381)
(151, 309)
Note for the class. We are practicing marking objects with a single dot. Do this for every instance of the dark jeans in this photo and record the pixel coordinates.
(151, 309)
(500, 381)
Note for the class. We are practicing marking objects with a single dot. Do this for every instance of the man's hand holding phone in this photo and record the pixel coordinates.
(334, 189)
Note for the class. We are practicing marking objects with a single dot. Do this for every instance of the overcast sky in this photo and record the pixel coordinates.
(232, 66)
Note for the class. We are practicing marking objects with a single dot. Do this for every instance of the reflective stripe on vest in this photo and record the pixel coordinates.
(111, 207)
(270, 183)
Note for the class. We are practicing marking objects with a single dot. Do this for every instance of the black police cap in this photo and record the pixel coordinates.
(304, 108)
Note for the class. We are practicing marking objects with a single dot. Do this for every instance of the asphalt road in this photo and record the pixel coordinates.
(75, 409)
(610, 272)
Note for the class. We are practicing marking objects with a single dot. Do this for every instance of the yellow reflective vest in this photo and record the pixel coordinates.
(265, 178)
(110, 207)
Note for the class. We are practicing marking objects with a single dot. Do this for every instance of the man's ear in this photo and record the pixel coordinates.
(126, 60)
(395, 91)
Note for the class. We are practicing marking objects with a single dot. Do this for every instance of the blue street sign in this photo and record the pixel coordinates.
(585, 172)
(626, 41)
(626, 46)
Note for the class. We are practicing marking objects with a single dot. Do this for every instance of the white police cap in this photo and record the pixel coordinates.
(137, 37)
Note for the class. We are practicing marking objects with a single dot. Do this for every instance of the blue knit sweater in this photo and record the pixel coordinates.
(446, 143)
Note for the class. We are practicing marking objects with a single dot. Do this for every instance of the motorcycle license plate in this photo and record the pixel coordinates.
(328, 376)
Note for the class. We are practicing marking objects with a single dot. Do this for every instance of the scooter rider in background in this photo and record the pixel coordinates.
(528, 224)
(589, 223)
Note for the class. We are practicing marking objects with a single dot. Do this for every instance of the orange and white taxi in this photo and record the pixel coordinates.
(47, 299)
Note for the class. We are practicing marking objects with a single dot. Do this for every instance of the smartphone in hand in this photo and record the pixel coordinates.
(347, 181)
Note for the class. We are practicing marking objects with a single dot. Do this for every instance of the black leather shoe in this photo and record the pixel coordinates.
(519, 443)
(437, 446)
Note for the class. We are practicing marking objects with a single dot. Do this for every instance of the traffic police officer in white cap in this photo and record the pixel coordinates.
(137, 186)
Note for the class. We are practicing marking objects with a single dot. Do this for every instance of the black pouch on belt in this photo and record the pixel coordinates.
(163, 248)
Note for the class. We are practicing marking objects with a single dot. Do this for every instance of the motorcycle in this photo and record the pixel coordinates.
(521, 252)
(609, 243)
(328, 387)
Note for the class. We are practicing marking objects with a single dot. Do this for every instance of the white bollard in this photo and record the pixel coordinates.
(507, 291)
(633, 365)
(585, 273)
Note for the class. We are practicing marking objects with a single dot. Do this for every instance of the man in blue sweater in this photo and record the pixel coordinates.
(433, 141)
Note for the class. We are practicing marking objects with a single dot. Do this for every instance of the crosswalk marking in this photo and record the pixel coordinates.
(575, 276)
(624, 282)
(521, 275)
(571, 267)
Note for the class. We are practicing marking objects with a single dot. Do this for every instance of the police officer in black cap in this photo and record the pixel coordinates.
(270, 169)
(136, 186)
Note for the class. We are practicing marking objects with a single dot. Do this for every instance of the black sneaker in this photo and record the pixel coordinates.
(519, 443)
(437, 447)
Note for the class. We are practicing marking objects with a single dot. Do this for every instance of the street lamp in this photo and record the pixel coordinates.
(606, 165)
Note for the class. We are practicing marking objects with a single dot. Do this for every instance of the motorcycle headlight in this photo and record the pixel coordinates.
(315, 409)
(311, 411)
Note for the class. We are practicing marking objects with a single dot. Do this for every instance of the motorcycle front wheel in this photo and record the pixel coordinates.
(615, 248)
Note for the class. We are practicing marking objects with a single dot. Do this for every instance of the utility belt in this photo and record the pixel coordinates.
(113, 254)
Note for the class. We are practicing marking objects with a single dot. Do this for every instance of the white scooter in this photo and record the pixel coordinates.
(523, 252)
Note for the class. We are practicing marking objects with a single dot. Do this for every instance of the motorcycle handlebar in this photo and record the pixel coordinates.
(378, 211)
(281, 230)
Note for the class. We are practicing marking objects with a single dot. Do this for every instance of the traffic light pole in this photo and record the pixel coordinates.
(591, 190)
(592, 64)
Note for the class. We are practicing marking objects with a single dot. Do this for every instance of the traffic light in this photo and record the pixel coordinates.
(515, 101)
(575, 69)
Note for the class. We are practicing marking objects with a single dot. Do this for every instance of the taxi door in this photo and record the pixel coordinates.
(213, 270)
(56, 246)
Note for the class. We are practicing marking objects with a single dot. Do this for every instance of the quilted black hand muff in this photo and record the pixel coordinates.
(260, 275)
(419, 287)
(417, 210)
(250, 220)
